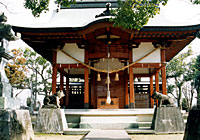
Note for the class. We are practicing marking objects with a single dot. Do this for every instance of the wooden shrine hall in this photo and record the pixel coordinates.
(81, 43)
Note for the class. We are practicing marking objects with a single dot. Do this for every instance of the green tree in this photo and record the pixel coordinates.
(195, 1)
(134, 14)
(189, 87)
(130, 14)
(41, 72)
(39, 6)
(176, 70)
(16, 70)
(29, 70)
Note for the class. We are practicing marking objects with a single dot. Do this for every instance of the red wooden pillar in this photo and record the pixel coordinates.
(54, 74)
(86, 77)
(151, 91)
(93, 93)
(67, 92)
(157, 83)
(61, 79)
(131, 82)
(163, 72)
(61, 84)
(126, 88)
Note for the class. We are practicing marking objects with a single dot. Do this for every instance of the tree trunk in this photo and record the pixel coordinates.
(179, 97)
(192, 94)
(198, 99)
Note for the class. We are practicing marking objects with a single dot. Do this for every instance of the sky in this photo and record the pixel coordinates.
(176, 12)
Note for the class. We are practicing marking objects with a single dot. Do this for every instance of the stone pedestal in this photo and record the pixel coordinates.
(51, 121)
(168, 120)
(192, 130)
(15, 125)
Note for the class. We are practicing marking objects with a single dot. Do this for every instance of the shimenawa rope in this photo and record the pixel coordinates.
(112, 71)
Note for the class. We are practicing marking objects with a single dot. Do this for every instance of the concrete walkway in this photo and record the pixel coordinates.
(107, 135)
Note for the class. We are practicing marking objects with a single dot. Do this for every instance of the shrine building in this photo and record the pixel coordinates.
(106, 61)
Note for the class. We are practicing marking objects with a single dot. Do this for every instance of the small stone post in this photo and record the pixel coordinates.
(15, 124)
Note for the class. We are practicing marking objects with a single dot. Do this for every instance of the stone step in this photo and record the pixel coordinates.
(73, 125)
(79, 131)
(108, 122)
(140, 124)
(110, 126)
(142, 130)
(144, 124)
(108, 119)
(76, 131)
(107, 135)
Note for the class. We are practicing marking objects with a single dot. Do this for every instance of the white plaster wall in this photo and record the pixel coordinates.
(73, 50)
(142, 50)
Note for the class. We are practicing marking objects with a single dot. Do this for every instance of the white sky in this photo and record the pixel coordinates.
(176, 12)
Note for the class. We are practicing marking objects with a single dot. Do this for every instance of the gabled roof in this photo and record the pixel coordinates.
(79, 25)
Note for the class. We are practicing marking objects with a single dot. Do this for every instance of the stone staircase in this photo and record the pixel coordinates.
(109, 118)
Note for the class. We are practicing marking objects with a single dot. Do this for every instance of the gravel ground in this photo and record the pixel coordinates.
(157, 137)
(133, 137)
(57, 137)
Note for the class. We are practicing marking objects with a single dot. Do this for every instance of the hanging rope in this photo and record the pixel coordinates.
(112, 71)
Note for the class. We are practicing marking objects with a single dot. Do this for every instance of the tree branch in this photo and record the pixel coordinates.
(174, 96)
(6, 8)
(18, 93)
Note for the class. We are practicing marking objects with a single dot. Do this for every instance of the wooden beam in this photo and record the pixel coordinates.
(69, 66)
(86, 77)
(151, 92)
(96, 55)
(163, 72)
(54, 74)
(146, 65)
(131, 82)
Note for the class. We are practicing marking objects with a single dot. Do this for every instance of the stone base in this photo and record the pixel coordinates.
(9, 103)
(168, 120)
(86, 106)
(50, 121)
(15, 125)
(192, 130)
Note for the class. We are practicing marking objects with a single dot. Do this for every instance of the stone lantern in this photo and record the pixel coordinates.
(15, 124)
(6, 35)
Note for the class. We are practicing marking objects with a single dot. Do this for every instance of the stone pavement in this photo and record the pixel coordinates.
(133, 137)
(107, 135)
